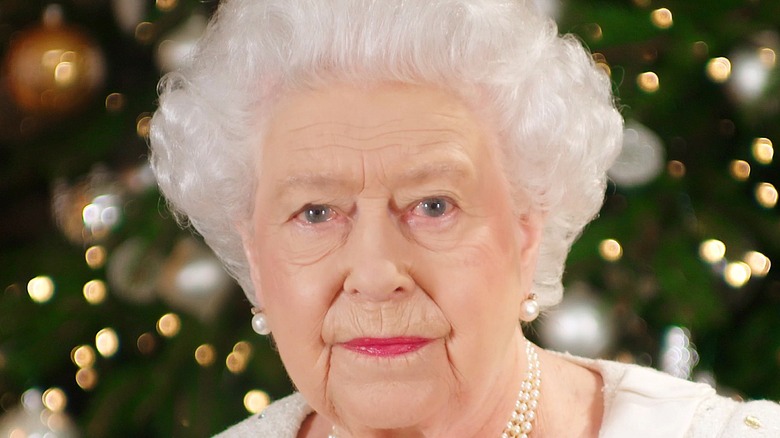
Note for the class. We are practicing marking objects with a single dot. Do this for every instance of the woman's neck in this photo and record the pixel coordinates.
(572, 403)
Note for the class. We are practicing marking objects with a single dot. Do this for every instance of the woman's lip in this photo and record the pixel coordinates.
(386, 347)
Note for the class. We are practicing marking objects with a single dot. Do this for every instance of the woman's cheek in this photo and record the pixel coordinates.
(298, 299)
(303, 246)
(438, 235)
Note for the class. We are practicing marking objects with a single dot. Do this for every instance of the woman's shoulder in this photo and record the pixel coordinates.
(281, 419)
(721, 416)
(696, 408)
(639, 400)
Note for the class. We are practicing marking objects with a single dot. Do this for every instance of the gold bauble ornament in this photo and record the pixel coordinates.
(53, 69)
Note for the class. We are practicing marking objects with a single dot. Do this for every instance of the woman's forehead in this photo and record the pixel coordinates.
(364, 112)
(334, 130)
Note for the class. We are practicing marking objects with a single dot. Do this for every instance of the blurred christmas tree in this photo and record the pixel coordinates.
(113, 318)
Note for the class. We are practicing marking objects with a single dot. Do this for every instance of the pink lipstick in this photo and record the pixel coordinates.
(386, 347)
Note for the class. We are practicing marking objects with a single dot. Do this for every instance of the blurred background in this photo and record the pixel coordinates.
(113, 322)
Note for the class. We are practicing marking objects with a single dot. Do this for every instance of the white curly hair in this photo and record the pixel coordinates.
(556, 114)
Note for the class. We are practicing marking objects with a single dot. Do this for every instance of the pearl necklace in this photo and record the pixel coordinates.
(521, 422)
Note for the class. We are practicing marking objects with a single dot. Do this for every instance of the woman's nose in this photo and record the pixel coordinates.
(377, 257)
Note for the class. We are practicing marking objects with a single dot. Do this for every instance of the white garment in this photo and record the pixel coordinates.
(639, 402)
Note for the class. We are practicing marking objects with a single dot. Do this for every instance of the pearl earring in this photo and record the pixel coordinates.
(529, 309)
(259, 324)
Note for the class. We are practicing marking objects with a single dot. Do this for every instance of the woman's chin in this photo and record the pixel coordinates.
(388, 405)
(389, 391)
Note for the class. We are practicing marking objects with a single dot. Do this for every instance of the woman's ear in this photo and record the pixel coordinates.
(531, 223)
(530, 226)
(248, 243)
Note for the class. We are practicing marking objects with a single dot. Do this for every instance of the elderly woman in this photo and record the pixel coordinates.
(396, 184)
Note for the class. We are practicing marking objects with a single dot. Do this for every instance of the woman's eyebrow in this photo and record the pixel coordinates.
(454, 170)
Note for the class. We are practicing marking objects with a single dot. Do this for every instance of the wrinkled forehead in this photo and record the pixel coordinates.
(390, 122)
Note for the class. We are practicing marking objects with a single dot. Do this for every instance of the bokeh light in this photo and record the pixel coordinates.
(758, 262)
(675, 169)
(766, 195)
(768, 57)
(601, 62)
(719, 69)
(236, 362)
(32, 399)
(205, 355)
(662, 18)
(243, 347)
(256, 400)
(66, 73)
(145, 32)
(594, 31)
(166, 5)
(648, 82)
(86, 378)
(95, 256)
(749, 75)
(580, 324)
(41, 289)
(143, 124)
(736, 274)
(678, 353)
(107, 342)
(146, 343)
(712, 250)
(102, 215)
(83, 356)
(763, 150)
(115, 102)
(641, 158)
(700, 49)
(95, 291)
(610, 250)
(169, 325)
(739, 170)
(54, 399)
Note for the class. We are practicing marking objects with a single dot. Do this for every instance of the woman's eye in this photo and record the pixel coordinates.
(434, 207)
(315, 214)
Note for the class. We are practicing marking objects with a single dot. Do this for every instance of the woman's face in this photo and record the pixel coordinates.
(388, 256)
